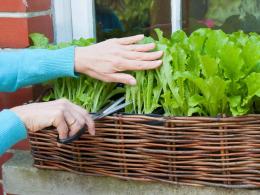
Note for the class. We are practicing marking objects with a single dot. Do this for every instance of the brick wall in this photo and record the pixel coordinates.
(19, 18)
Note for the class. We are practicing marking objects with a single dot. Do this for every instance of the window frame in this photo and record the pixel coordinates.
(61, 13)
(176, 13)
(83, 18)
(76, 18)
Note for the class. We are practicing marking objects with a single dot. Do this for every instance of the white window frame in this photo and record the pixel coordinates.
(83, 18)
(62, 22)
(76, 18)
(176, 15)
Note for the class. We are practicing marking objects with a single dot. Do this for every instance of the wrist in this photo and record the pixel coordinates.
(18, 111)
(77, 60)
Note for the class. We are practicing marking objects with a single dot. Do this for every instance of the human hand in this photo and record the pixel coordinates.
(67, 117)
(106, 60)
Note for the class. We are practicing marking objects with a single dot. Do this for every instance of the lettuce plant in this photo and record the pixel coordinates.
(207, 73)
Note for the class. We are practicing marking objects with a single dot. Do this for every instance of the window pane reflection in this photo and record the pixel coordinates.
(118, 18)
(228, 15)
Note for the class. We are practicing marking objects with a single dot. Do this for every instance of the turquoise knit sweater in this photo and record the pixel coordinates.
(26, 67)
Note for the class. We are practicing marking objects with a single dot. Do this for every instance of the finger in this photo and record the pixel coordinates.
(143, 56)
(114, 78)
(85, 116)
(69, 118)
(78, 124)
(107, 78)
(121, 78)
(140, 47)
(79, 109)
(99, 76)
(137, 65)
(130, 40)
(62, 128)
(90, 124)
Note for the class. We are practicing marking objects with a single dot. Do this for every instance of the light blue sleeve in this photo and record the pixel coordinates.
(31, 66)
(26, 67)
(12, 130)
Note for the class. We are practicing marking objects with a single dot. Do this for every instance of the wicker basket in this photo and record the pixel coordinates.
(181, 150)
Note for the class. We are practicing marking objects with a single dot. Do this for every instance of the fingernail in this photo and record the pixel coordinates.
(152, 45)
(159, 52)
(141, 35)
(159, 62)
(132, 82)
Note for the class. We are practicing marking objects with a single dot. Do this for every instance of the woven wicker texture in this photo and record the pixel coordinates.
(181, 150)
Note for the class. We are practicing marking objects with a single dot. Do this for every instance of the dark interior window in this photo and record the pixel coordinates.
(118, 18)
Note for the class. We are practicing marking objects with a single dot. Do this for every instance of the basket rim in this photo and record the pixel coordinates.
(163, 118)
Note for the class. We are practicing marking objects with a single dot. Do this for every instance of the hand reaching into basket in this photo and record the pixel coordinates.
(107, 60)
(67, 117)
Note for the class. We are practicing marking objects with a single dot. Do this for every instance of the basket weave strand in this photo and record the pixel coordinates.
(199, 151)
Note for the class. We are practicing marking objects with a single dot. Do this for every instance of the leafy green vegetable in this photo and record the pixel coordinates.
(207, 73)
(39, 40)
(145, 95)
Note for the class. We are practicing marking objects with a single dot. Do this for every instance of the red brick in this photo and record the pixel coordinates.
(14, 32)
(21, 96)
(23, 145)
(5, 157)
(9, 100)
(41, 24)
(24, 5)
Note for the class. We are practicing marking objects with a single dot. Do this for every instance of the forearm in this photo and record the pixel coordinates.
(12, 130)
(31, 66)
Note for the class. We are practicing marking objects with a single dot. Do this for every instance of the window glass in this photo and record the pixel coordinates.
(118, 18)
(228, 15)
